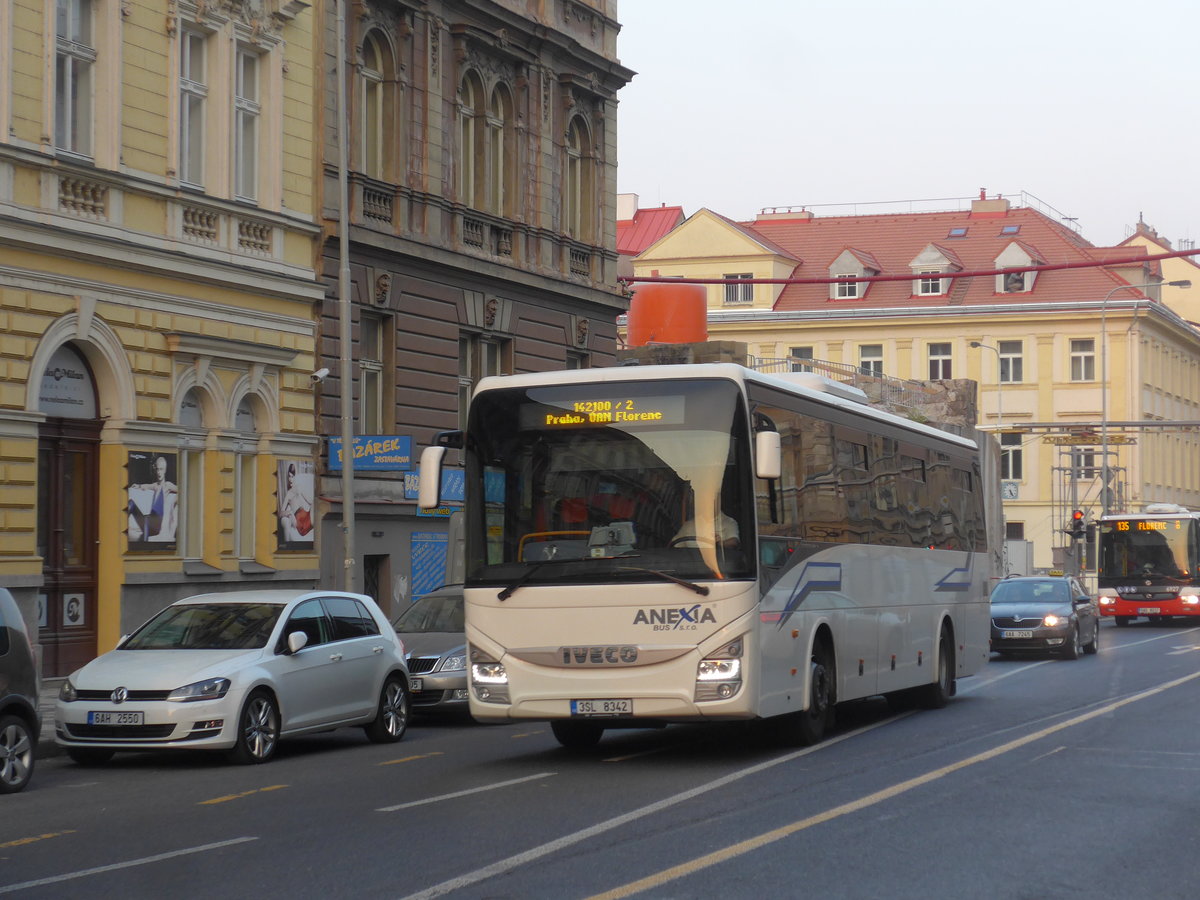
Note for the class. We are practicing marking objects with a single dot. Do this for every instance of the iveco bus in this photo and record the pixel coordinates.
(649, 545)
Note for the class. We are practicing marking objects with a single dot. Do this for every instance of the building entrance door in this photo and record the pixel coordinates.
(68, 453)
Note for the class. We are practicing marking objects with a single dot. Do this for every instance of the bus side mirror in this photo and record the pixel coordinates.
(429, 487)
(768, 457)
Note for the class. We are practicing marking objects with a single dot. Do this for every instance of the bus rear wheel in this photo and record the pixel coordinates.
(577, 735)
(938, 694)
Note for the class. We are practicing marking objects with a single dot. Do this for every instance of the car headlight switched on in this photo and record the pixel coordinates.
(489, 678)
(210, 689)
(719, 674)
(66, 693)
(1051, 620)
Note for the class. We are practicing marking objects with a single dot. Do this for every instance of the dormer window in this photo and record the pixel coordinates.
(1017, 255)
(852, 264)
(739, 294)
(934, 261)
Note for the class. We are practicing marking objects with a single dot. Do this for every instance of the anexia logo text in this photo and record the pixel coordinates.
(685, 618)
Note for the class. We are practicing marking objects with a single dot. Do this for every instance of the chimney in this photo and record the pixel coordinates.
(784, 213)
(984, 208)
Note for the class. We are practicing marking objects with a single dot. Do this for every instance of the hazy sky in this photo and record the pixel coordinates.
(1089, 107)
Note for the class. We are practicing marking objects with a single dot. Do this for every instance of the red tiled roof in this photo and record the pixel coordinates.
(647, 226)
(896, 239)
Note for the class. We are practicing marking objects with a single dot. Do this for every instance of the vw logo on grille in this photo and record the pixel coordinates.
(120, 695)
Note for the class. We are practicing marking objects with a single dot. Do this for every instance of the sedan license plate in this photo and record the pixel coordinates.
(1149, 610)
(416, 685)
(1016, 634)
(114, 718)
(622, 707)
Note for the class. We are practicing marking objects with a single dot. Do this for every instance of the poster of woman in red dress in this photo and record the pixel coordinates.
(295, 492)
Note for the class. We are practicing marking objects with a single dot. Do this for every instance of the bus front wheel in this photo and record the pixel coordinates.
(807, 726)
(1123, 621)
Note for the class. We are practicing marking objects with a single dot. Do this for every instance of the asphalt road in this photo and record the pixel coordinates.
(1042, 779)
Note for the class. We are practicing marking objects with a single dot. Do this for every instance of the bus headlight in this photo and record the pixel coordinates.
(1106, 600)
(489, 679)
(719, 675)
(1189, 599)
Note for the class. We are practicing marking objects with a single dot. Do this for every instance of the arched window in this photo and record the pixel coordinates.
(501, 154)
(192, 418)
(578, 184)
(376, 103)
(245, 488)
(472, 165)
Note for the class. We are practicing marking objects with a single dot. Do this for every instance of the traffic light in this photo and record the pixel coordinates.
(1077, 527)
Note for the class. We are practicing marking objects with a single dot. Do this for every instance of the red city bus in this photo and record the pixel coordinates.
(1150, 564)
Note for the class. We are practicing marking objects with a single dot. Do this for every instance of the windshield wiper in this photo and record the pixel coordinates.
(667, 576)
(528, 573)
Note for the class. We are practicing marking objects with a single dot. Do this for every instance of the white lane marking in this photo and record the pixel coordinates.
(658, 879)
(477, 790)
(146, 860)
(520, 859)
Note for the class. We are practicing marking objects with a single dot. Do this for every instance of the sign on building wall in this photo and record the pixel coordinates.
(375, 452)
(428, 561)
(296, 529)
(152, 501)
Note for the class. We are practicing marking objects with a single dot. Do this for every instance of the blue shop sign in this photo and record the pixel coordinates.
(374, 452)
(453, 485)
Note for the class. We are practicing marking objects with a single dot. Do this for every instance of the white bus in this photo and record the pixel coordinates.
(648, 545)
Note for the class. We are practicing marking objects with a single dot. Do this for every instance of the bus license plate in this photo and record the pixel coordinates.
(1016, 634)
(602, 707)
(416, 685)
(1149, 610)
(111, 718)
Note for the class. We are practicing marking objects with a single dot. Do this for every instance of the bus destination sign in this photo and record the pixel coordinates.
(1148, 524)
(581, 413)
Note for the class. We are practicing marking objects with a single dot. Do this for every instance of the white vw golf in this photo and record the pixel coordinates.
(238, 671)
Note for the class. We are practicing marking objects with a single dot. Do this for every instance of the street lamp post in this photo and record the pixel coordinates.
(999, 389)
(1105, 474)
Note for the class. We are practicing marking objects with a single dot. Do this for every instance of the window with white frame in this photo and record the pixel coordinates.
(193, 102)
(191, 475)
(247, 115)
(577, 181)
(74, 76)
(940, 368)
(371, 108)
(500, 153)
(928, 286)
(478, 357)
(471, 166)
(870, 359)
(1012, 459)
(1083, 359)
(738, 294)
(797, 356)
(1012, 362)
(1014, 282)
(374, 359)
(846, 289)
(245, 488)
(1083, 462)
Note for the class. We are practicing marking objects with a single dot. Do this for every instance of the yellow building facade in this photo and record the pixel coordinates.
(1058, 356)
(158, 239)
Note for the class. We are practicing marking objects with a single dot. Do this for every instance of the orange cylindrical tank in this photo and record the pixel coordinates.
(663, 313)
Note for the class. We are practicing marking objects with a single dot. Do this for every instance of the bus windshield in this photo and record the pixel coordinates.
(608, 482)
(1140, 547)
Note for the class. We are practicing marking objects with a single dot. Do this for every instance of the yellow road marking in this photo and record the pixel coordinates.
(742, 847)
(526, 734)
(404, 759)
(228, 797)
(21, 842)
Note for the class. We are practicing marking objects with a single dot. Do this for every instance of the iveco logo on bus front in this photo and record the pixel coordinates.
(600, 656)
(686, 618)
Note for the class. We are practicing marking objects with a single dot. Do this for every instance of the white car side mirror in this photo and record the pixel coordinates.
(297, 641)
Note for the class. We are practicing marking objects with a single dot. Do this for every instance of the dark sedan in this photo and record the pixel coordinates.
(1044, 614)
(436, 644)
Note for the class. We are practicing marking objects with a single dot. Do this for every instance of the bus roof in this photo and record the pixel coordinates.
(806, 387)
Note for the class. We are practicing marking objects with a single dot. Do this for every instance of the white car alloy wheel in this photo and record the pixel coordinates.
(258, 729)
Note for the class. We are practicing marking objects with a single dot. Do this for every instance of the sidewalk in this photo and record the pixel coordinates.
(46, 745)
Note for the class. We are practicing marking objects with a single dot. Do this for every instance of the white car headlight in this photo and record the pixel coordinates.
(66, 693)
(454, 663)
(210, 689)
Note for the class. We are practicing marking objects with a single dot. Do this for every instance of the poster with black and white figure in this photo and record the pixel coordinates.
(152, 501)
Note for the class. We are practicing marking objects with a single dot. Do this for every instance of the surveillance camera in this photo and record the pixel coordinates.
(318, 376)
